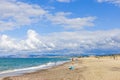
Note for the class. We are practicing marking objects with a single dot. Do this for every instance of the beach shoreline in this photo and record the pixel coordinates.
(37, 71)
(24, 71)
(90, 68)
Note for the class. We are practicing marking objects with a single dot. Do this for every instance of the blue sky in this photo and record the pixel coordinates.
(69, 26)
(107, 15)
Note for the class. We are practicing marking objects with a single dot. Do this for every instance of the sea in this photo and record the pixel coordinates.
(18, 66)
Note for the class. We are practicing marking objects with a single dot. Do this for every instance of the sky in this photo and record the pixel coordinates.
(59, 26)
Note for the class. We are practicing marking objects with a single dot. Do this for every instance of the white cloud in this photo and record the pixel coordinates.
(65, 1)
(76, 42)
(62, 19)
(31, 43)
(17, 14)
(116, 2)
(87, 40)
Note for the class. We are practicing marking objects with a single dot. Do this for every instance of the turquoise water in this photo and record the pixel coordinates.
(11, 65)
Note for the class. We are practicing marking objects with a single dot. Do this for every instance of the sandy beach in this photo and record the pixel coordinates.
(85, 69)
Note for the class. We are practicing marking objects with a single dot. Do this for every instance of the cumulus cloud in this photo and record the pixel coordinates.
(66, 42)
(62, 19)
(87, 40)
(16, 14)
(31, 43)
(116, 2)
(64, 1)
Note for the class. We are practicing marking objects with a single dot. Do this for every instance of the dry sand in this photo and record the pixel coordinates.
(85, 69)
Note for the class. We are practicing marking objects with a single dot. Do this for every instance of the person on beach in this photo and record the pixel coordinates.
(72, 67)
(72, 59)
